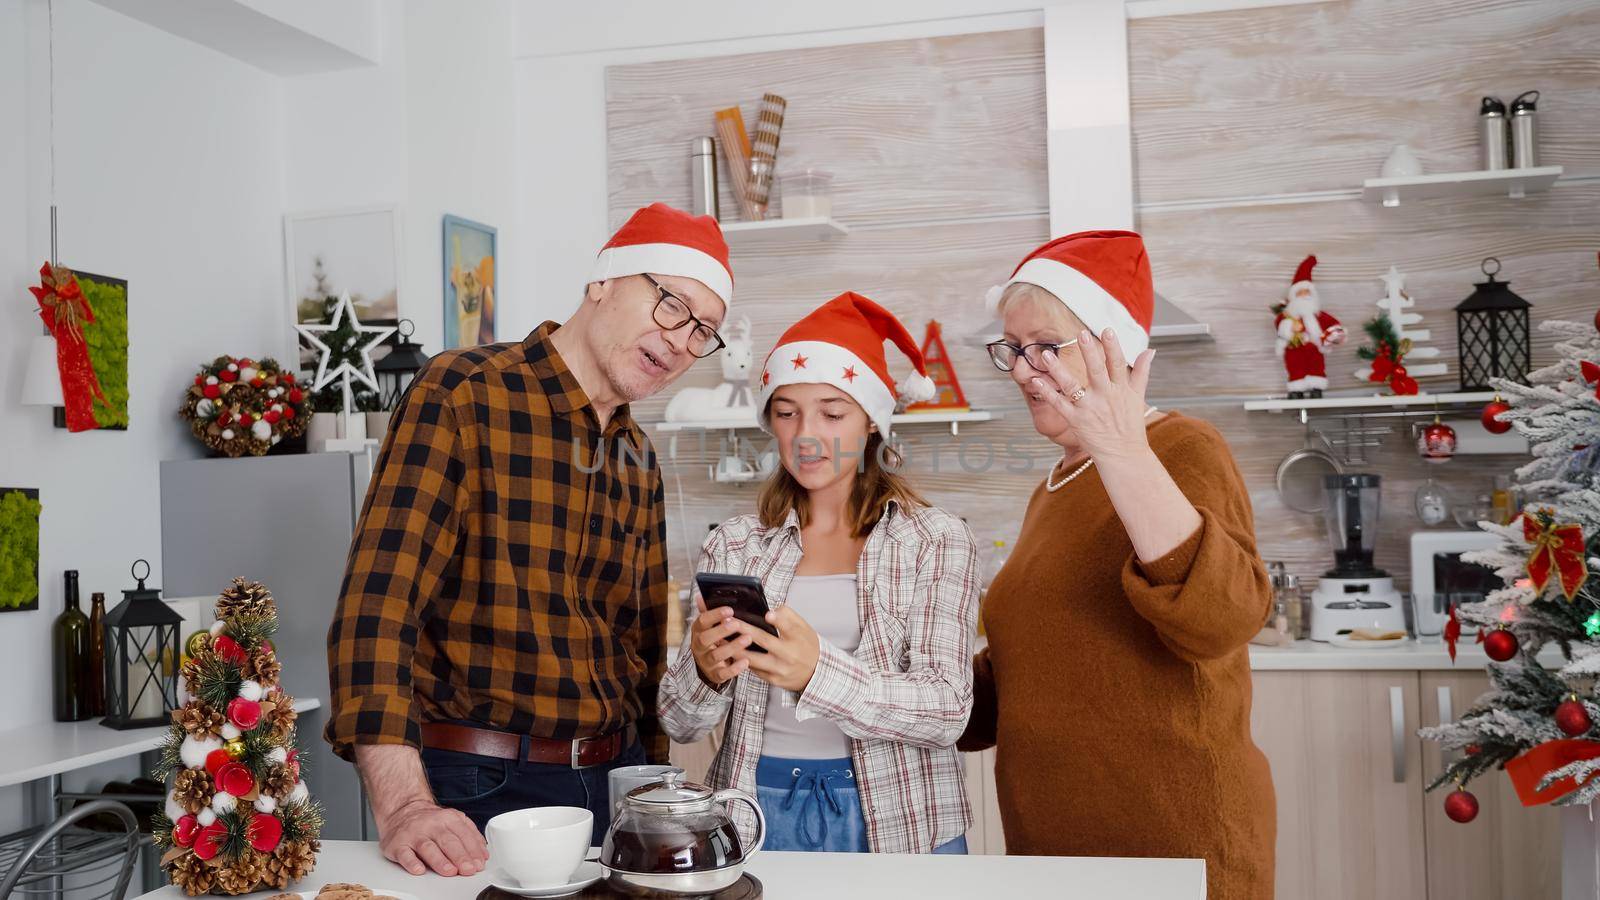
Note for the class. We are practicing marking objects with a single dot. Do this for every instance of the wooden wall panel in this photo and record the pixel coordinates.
(1313, 97)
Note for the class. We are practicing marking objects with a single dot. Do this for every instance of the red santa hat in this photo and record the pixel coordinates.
(841, 343)
(1302, 276)
(661, 240)
(1102, 276)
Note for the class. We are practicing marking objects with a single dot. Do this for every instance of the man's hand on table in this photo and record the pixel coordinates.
(414, 832)
(423, 835)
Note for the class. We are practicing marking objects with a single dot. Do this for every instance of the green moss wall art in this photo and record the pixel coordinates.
(108, 345)
(19, 549)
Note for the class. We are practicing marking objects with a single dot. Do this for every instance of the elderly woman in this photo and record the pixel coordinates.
(1116, 683)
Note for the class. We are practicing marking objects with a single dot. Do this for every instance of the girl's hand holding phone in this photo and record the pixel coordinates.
(790, 660)
(720, 648)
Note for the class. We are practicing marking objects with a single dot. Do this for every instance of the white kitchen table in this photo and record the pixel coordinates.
(836, 876)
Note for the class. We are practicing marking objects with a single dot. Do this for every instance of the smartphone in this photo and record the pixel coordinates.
(740, 592)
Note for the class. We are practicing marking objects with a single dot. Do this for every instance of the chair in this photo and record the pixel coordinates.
(62, 857)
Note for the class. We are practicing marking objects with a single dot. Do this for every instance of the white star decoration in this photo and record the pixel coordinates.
(323, 378)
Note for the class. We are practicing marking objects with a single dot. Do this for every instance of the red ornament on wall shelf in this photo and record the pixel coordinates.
(1437, 442)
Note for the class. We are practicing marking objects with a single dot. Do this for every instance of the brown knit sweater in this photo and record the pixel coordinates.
(1118, 692)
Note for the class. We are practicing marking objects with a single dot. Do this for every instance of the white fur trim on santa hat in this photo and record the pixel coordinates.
(1088, 301)
(825, 363)
(250, 690)
(193, 752)
(664, 259)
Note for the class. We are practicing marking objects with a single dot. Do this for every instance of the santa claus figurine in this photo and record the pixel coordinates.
(1303, 330)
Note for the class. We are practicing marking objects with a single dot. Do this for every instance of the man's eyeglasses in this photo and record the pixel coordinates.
(671, 312)
(1004, 354)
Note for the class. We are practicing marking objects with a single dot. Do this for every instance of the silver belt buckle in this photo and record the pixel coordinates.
(575, 745)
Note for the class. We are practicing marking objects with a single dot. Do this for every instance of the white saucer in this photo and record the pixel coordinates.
(587, 873)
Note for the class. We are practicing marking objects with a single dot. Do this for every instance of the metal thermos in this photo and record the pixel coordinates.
(1492, 128)
(1524, 131)
(703, 177)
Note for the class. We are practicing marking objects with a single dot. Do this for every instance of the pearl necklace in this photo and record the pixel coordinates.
(1053, 486)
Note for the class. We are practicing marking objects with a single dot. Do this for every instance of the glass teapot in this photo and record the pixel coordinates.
(678, 836)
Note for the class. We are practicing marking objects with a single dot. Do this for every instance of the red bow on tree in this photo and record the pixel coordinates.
(1556, 548)
(1383, 364)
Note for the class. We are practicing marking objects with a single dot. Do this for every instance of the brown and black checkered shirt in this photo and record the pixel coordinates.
(499, 575)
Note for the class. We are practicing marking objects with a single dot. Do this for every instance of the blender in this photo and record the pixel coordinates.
(1354, 593)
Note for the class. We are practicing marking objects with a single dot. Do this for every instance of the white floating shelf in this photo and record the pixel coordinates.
(953, 419)
(1283, 404)
(773, 231)
(1513, 183)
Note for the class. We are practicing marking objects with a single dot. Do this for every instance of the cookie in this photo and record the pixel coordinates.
(344, 891)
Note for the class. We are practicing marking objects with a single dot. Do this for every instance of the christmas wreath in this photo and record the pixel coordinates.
(1387, 354)
(240, 406)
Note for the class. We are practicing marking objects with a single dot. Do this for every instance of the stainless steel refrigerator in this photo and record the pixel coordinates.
(286, 522)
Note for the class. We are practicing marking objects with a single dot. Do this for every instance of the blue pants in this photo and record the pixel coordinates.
(484, 787)
(813, 804)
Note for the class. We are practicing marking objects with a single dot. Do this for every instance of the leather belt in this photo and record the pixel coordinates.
(578, 754)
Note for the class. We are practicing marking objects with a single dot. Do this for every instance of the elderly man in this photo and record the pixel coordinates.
(500, 634)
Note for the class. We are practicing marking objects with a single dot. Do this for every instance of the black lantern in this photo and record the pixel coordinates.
(141, 637)
(1492, 329)
(396, 370)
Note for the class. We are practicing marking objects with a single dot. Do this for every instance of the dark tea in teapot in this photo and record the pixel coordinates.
(660, 850)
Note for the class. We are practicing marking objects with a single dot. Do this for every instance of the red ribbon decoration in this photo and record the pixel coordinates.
(64, 310)
(1452, 633)
(1530, 768)
(1555, 547)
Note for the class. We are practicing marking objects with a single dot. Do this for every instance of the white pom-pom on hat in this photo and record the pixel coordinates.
(223, 802)
(918, 388)
(251, 690)
(205, 817)
(991, 298)
(193, 752)
(265, 804)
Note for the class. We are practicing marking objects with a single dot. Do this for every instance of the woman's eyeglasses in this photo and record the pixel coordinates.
(671, 312)
(1004, 354)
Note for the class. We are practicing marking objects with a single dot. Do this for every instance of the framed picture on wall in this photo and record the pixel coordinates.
(331, 252)
(469, 282)
(19, 549)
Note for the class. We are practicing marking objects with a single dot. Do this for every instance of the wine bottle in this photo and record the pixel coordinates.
(96, 671)
(70, 637)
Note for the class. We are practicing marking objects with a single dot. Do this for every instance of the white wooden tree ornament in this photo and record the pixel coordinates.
(1394, 305)
(344, 371)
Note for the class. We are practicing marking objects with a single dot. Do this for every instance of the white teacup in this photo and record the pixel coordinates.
(542, 846)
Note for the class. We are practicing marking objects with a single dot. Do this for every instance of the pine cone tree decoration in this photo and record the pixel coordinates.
(243, 874)
(278, 782)
(245, 598)
(297, 858)
(192, 790)
(199, 720)
(190, 874)
(282, 720)
(263, 667)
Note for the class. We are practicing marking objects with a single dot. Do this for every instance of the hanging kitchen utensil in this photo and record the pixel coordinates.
(1300, 474)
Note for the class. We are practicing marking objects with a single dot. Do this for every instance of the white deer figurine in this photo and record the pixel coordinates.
(729, 401)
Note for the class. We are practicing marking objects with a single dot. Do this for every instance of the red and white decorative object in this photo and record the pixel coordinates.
(840, 343)
(1304, 329)
(1393, 305)
(65, 310)
(1490, 416)
(1102, 276)
(345, 372)
(729, 402)
(239, 416)
(948, 397)
(1436, 443)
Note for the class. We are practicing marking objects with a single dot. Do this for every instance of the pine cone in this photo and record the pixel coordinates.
(245, 598)
(263, 667)
(243, 874)
(193, 790)
(190, 874)
(296, 859)
(199, 720)
(278, 782)
(281, 722)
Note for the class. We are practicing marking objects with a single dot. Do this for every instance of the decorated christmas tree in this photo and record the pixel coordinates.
(1537, 723)
(238, 817)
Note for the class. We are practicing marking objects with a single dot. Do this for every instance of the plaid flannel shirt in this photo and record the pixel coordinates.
(498, 574)
(904, 696)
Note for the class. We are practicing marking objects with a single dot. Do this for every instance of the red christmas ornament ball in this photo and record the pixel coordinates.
(235, 779)
(226, 647)
(264, 832)
(288, 377)
(184, 831)
(288, 412)
(271, 417)
(296, 395)
(229, 375)
(216, 759)
(211, 391)
(1491, 409)
(1461, 806)
(244, 714)
(1573, 719)
(209, 840)
(1437, 443)
(1500, 644)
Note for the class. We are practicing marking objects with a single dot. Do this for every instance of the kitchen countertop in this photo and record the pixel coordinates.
(840, 875)
(1428, 654)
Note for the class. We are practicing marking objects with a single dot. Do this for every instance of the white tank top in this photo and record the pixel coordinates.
(828, 604)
